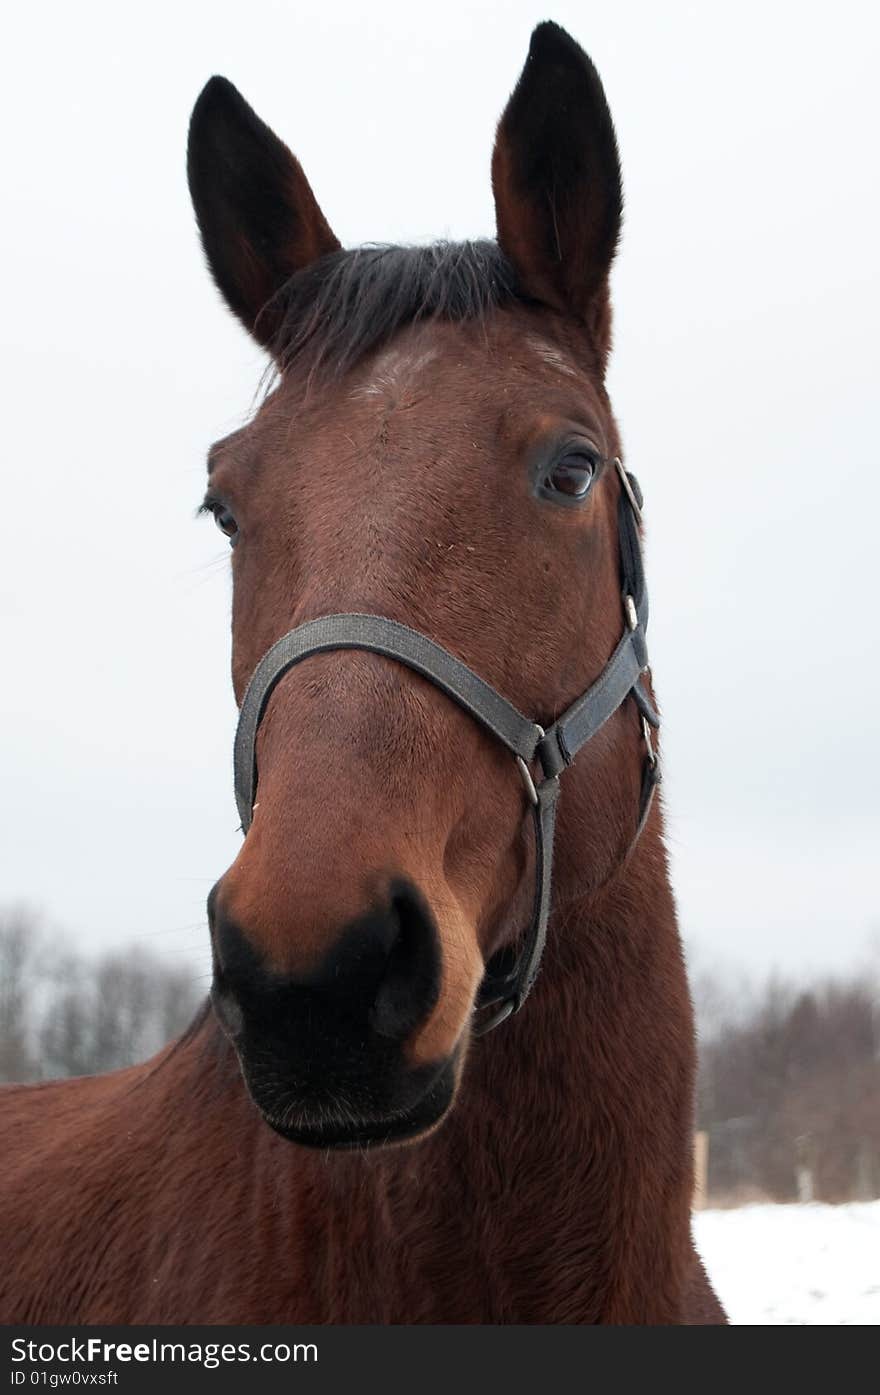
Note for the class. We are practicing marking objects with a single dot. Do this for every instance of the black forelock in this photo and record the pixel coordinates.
(334, 312)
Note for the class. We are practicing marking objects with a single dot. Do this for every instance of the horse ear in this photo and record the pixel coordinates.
(257, 215)
(556, 180)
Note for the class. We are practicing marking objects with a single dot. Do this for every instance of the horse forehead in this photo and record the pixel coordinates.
(395, 367)
(401, 366)
(551, 355)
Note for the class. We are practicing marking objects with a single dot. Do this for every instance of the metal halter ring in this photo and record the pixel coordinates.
(628, 489)
(526, 774)
(649, 742)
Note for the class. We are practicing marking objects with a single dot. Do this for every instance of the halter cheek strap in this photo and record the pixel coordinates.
(551, 751)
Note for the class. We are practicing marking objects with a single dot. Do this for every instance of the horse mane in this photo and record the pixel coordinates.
(337, 310)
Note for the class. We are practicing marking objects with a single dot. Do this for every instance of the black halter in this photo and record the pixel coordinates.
(552, 750)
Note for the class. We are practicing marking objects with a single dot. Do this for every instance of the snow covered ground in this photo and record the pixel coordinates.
(794, 1264)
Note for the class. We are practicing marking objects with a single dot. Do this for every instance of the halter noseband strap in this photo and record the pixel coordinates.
(553, 750)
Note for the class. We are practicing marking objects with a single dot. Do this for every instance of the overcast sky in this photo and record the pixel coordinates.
(744, 378)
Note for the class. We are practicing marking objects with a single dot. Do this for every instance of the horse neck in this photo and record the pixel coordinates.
(579, 1108)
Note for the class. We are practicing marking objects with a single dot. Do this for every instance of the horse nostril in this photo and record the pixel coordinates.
(410, 984)
(383, 972)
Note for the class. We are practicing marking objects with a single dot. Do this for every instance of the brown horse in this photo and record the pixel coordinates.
(438, 448)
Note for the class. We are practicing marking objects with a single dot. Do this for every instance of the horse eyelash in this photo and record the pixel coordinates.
(209, 505)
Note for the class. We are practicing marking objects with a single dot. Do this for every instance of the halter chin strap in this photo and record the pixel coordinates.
(502, 993)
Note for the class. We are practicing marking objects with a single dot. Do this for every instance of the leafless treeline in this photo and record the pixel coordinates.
(63, 1013)
(789, 1088)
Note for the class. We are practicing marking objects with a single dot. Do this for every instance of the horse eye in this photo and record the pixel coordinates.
(570, 477)
(226, 523)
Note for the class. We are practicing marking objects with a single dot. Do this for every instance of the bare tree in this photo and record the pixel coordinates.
(17, 935)
(790, 1092)
(63, 1013)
